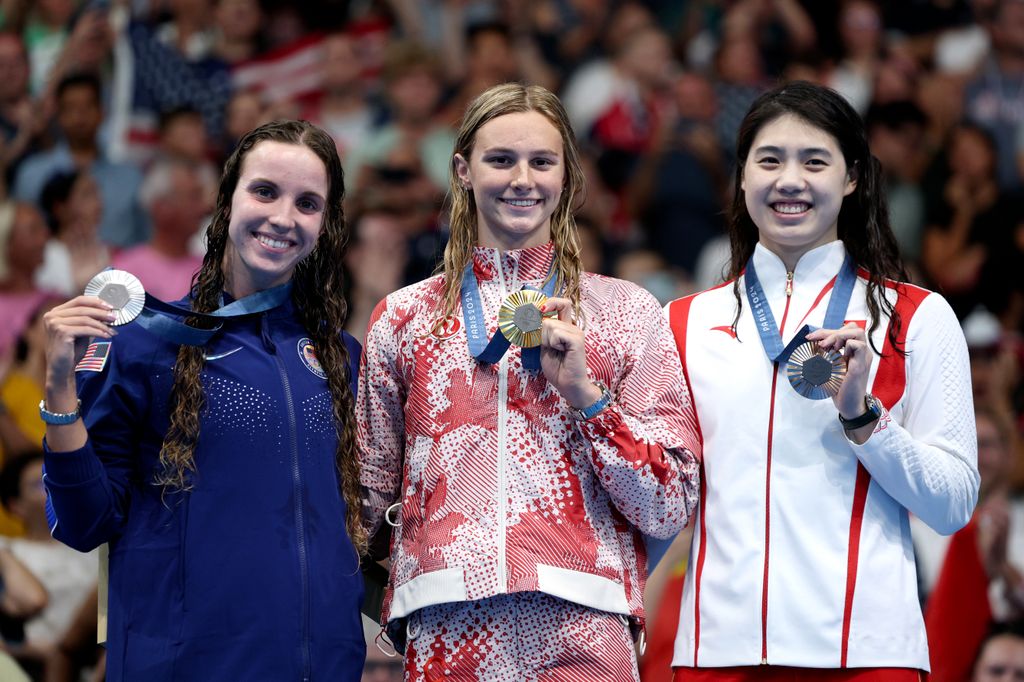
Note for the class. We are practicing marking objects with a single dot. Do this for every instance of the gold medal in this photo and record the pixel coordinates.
(815, 373)
(520, 319)
(121, 290)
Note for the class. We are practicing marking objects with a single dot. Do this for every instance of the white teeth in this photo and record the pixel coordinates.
(791, 208)
(272, 243)
(521, 202)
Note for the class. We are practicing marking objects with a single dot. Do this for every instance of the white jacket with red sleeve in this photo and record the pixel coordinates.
(802, 553)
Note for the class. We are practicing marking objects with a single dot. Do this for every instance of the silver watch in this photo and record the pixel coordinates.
(59, 418)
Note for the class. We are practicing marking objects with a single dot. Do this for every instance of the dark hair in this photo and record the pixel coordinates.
(864, 216)
(86, 78)
(477, 29)
(169, 116)
(10, 475)
(317, 283)
(56, 191)
(1010, 628)
(894, 115)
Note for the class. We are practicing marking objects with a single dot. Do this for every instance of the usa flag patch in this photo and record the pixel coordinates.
(95, 358)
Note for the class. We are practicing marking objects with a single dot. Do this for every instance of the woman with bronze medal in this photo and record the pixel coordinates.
(523, 425)
(217, 458)
(833, 400)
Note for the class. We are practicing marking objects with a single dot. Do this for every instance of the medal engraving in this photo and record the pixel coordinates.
(520, 319)
(817, 370)
(814, 373)
(115, 294)
(527, 317)
(121, 290)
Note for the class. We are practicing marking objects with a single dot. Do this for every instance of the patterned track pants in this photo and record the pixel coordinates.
(520, 637)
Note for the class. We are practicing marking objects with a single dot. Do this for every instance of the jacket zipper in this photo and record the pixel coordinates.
(768, 482)
(297, 489)
(502, 417)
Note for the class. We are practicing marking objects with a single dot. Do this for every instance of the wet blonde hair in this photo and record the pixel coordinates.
(514, 98)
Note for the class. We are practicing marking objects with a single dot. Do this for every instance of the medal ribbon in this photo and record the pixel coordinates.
(476, 328)
(154, 315)
(771, 337)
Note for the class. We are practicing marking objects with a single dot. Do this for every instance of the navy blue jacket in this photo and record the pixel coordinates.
(249, 576)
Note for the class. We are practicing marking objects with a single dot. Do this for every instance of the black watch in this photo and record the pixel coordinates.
(873, 411)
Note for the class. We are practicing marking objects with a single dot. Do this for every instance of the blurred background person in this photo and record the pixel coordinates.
(177, 201)
(79, 116)
(74, 252)
(69, 576)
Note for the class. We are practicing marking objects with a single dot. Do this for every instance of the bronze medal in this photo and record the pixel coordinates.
(815, 373)
(121, 290)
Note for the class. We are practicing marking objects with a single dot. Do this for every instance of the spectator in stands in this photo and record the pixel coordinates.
(23, 236)
(995, 98)
(79, 115)
(1001, 656)
(413, 84)
(69, 576)
(177, 200)
(342, 108)
(969, 251)
(896, 136)
(860, 30)
(20, 119)
(74, 252)
(237, 30)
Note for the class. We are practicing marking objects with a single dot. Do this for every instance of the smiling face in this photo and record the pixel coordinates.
(516, 172)
(277, 211)
(794, 182)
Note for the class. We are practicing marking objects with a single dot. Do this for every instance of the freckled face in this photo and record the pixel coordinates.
(794, 182)
(516, 172)
(277, 212)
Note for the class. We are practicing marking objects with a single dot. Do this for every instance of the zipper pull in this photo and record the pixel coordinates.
(789, 284)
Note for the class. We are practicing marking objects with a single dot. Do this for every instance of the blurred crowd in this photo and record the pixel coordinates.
(116, 115)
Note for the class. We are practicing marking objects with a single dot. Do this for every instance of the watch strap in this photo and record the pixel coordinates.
(594, 408)
(872, 411)
(59, 418)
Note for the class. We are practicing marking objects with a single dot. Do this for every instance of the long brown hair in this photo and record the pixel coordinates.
(864, 217)
(317, 283)
(514, 98)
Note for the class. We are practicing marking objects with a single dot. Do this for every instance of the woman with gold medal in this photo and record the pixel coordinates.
(523, 425)
(833, 400)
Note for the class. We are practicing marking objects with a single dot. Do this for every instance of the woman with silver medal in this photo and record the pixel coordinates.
(523, 425)
(217, 458)
(833, 400)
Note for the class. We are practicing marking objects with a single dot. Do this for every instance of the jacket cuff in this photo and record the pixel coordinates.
(604, 423)
(74, 466)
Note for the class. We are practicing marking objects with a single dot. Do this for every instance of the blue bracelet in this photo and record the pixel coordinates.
(598, 405)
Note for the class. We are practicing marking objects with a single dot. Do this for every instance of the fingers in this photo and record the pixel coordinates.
(562, 306)
(81, 316)
(838, 339)
(560, 335)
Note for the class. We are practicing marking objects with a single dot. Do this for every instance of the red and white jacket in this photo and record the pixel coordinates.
(802, 553)
(501, 488)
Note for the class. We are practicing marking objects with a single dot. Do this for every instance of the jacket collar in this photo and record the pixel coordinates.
(517, 266)
(814, 269)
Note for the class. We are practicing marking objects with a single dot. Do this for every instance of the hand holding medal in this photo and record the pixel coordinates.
(563, 355)
(852, 341)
